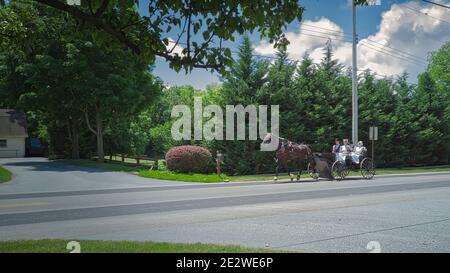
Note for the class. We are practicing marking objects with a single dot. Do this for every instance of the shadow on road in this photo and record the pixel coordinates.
(306, 180)
(53, 166)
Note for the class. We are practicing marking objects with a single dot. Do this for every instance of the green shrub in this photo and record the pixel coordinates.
(189, 159)
(193, 177)
(5, 175)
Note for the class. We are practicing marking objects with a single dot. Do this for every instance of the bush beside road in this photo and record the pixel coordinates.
(194, 177)
(5, 175)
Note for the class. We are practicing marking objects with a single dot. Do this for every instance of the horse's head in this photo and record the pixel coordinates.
(270, 142)
(267, 139)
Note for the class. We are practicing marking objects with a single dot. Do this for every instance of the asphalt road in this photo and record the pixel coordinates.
(403, 213)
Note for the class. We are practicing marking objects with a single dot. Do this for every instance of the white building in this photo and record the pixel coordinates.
(13, 133)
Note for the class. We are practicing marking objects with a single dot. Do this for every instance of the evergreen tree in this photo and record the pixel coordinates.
(429, 123)
(280, 90)
(333, 108)
(377, 108)
(240, 86)
(401, 128)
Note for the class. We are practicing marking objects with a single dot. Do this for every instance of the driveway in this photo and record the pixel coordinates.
(41, 175)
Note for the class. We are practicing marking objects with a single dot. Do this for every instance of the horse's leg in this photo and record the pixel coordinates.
(313, 164)
(291, 176)
(277, 162)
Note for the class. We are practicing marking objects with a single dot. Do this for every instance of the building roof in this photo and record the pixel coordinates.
(12, 123)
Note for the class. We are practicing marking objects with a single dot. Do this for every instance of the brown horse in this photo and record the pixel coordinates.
(288, 151)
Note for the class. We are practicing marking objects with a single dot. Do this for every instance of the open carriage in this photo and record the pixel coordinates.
(320, 165)
(330, 166)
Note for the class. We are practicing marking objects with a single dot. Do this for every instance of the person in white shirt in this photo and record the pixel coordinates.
(344, 150)
(359, 150)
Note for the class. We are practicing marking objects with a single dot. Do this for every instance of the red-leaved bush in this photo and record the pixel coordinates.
(189, 159)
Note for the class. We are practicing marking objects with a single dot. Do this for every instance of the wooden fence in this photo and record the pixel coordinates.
(153, 162)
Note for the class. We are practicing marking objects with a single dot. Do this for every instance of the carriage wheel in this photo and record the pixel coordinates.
(337, 170)
(367, 168)
(314, 175)
(345, 171)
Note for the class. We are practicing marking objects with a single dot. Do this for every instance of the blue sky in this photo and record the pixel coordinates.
(400, 25)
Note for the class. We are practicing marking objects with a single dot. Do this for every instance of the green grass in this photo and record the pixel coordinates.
(94, 246)
(5, 175)
(210, 178)
(144, 172)
(413, 170)
(195, 177)
(115, 167)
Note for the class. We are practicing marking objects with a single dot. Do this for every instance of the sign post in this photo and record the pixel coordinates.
(219, 160)
(373, 135)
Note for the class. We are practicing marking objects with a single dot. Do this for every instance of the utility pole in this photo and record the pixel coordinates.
(354, 79)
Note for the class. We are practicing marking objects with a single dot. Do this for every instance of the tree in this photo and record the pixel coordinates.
(401, 127)
(306, 90)
(279, 90)
(36, 76)
(115, 85)
(203, 25)
(377, 107)
(69, 76)
(332, 101)
(429, 123)
(241, 86)
(439, 67)
(439, 71)
(161, 122)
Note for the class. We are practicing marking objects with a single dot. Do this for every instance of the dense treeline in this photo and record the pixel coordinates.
(86, 95)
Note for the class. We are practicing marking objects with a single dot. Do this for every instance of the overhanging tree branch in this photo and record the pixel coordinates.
(96, 21)
(222, 18)
(102, 8)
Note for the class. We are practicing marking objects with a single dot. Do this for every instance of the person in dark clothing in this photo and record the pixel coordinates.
(336, 147)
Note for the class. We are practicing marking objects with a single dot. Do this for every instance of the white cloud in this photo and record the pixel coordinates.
(175, 49)
(400, 28)
(311, 36)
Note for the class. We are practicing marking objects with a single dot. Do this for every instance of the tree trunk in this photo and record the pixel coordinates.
(75, 141)
(100, 151)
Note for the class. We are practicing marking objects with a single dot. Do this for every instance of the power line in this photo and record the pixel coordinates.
(294, 60)
(323, 37)
(367, 45)
(394, 51)
(437, 4)
(329, 29)
(424, 13)
(392, 55)
(382, 76)
(370, 40)
(398, 51)
(321, 32)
